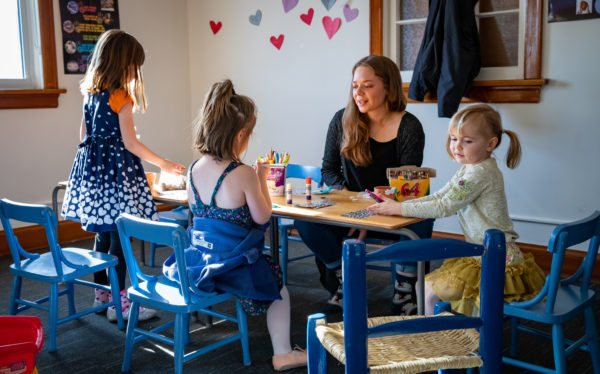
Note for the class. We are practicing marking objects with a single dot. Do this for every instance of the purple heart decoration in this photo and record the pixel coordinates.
(289, 5)
(350, 14)
(328, 3)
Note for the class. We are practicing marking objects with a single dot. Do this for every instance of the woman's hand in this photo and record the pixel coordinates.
(388, 207)
(171, 167)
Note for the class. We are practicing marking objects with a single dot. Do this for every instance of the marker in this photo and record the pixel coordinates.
(373, 196)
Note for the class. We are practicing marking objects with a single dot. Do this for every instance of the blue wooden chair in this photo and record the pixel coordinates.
(561, 300)
(162, 293)
(178, 216)
(411, 344)
(58, 265)
(285, 225)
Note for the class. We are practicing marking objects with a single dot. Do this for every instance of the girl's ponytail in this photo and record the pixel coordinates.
(513, 155)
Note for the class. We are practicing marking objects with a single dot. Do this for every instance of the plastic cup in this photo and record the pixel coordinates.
(151, 180)
(276, 179)
(383, 191)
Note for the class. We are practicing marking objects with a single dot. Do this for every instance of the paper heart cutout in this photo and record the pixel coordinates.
(328, 3)
(256, 18)
(331, 25)
(277, 42)
(215, 27)
(307, 18)
(289, 5)
(350, 14)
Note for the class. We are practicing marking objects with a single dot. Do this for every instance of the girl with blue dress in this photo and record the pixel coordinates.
(107, 177)
(232, 206)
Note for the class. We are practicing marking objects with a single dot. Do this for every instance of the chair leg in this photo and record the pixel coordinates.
(186, 322)
(115, 289)
(514, 331)
(179, 336)
(317, 357)
(130, 336)
(283, 235)
(52, 317)
(71, 298)
(15, 294)
(558, 344)
(590, 328)
(243, 330)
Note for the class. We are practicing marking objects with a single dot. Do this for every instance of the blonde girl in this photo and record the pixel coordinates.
(476, 195)
(107, 177)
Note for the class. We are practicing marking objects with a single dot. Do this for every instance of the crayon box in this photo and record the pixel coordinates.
(410, 181)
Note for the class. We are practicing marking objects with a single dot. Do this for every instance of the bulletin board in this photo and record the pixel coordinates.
(82, 22)
(573, 10)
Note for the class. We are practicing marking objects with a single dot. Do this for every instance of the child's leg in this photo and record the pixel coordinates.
(101, 244)
(404, 301)
(278, 323)
(117, 250)
(430, 299)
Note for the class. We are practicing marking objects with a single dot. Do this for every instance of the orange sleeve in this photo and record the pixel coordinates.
(118, 99)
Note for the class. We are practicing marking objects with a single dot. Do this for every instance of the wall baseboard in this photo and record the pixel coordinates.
(33, 238)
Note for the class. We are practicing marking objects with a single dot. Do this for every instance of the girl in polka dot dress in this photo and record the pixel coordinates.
(223, 189)
(107, 177)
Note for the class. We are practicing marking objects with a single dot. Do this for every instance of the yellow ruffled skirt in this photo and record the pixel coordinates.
(457, 281)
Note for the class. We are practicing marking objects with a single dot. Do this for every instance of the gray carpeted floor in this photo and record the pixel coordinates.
(94, 345)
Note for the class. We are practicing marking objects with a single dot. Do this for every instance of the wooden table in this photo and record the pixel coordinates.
(345, 201)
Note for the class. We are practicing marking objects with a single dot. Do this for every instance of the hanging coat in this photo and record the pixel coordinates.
(225, 257)
(449, 57)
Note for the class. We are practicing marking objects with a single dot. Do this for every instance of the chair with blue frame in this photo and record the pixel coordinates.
(561, 300)
(58, 265)
(178, 216)
(285, 225)
(161, 293)
(411, 344)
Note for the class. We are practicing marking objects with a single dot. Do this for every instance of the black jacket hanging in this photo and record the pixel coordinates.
(449, 57)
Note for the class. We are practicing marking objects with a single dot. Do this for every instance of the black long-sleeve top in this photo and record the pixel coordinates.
(406, 149)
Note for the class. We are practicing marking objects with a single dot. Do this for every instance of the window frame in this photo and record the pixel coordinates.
(526, 90)
(46, 97)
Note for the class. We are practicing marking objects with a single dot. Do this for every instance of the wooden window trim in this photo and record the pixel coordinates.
(48, 96)
(526, 90)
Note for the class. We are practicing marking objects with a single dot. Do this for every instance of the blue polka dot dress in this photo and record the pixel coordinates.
(106, 179)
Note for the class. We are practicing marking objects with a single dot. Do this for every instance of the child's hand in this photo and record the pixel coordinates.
(262, 169)
(388, 207)
(172, 167)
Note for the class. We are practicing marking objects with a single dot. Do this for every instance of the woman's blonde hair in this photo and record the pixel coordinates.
(489, 122)
(355, 143)
(116, 56)
(223, 115)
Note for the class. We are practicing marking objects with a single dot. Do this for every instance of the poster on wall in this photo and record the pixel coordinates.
(573, 10)
(82, 22)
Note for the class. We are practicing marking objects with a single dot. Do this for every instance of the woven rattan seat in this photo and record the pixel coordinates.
(411, 353)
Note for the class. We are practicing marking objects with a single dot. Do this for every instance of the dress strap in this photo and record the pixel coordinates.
(232, 165)
(191, 183)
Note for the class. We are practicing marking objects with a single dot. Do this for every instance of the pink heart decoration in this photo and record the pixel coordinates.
(331, 25)
(289, 5)
(215, 27)
(350, 14)
(277, 42)
(307, 18)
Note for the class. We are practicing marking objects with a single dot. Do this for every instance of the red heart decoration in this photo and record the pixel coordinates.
(277, 42)
(307, 18)
(331, 25)
(215, 27)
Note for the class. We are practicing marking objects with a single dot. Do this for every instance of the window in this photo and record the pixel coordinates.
(32, 78)
(510, 31)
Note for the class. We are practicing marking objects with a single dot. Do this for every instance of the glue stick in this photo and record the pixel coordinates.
(308, 188)
(288, 193)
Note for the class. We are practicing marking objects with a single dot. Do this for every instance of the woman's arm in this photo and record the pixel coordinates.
(133, 145)
(412, 140)
(331, 168)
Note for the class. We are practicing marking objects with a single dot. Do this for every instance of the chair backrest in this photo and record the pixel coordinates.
(160, 233)
(493, 254)
(35, 214)
(563, 237)
(304, 171)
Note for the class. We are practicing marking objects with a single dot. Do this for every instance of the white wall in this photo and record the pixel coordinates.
(37, 146)
(298, 88)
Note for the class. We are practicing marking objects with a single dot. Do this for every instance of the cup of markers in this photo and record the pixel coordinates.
(276, 177)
